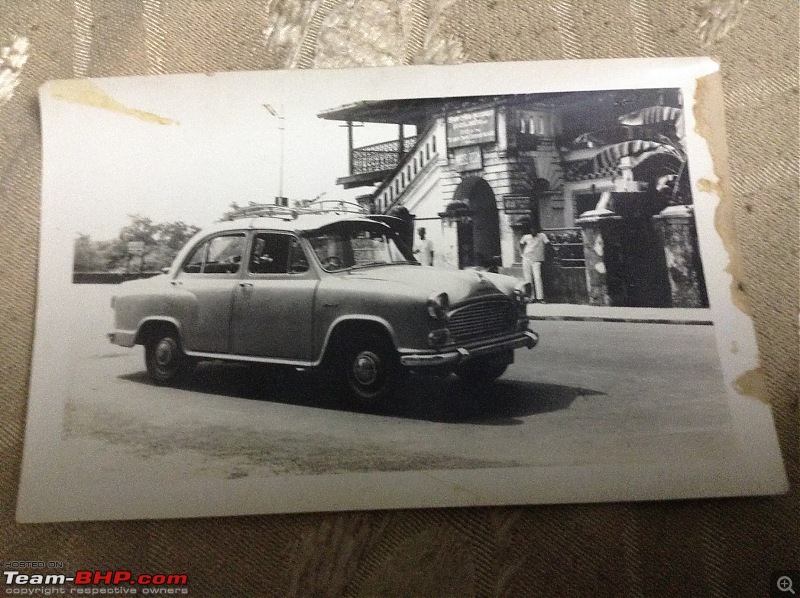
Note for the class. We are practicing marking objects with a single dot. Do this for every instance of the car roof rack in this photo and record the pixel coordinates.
(317, 206)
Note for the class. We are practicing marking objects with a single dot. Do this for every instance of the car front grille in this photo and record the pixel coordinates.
(484, 320)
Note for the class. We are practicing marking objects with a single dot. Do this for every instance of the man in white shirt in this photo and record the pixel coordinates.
(532, 246)
(425, 249)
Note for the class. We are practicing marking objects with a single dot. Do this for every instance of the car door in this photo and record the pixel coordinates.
(206, 281)
(273, 304)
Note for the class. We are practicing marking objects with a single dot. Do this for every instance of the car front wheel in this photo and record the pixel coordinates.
(166, 362)
(371, 370)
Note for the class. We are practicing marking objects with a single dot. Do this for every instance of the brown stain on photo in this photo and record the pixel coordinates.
(710, 124)
(88, 93)
(709, 115)
(752, 384)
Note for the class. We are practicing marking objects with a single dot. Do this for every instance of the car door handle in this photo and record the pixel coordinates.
(246, 286)
(326, 304)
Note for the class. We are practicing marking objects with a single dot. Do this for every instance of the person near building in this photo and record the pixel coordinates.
(533, 245)
(425, 248)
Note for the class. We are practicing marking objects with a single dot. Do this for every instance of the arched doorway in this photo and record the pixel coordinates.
(478, 241)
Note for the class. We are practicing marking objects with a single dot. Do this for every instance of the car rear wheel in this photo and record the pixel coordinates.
(166, 362)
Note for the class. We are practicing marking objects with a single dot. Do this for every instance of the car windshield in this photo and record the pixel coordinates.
(349, 245)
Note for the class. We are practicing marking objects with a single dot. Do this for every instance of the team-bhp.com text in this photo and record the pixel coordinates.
(95, 583)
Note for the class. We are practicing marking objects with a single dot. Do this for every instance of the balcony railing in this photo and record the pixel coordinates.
(380, 156)
(417, 160)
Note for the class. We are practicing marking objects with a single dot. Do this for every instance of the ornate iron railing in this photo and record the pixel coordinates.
(380, 156)
(567, 244)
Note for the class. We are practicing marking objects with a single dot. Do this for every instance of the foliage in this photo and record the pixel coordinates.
(162, 242)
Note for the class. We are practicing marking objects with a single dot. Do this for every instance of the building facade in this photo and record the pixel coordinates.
(594, 170)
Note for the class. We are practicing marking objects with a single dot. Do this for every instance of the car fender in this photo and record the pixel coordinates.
(355, 318)
(159, 319)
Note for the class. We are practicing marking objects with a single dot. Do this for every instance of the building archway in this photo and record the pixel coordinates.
(478, 241)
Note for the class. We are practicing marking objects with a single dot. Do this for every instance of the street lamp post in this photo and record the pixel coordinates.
(282, 128)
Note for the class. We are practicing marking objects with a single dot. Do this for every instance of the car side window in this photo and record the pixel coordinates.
(194, 265)
(276, 253)
(270, 254)
(297, 258)
(219, 255)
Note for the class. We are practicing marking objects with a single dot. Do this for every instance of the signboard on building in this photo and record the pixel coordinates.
(471, 128)
(467, 158)
(517, 204)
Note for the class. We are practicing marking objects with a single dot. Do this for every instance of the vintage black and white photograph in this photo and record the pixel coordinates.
(386, 288)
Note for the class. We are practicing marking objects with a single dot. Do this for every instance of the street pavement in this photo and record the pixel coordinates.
(591, 392)
(599, 313)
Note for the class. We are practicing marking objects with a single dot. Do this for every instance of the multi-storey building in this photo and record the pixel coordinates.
(592, 169)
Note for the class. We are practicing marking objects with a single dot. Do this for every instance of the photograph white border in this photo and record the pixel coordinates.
(756, 468)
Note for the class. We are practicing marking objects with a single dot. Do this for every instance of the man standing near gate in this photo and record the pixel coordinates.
(425, 249)
(532, 246)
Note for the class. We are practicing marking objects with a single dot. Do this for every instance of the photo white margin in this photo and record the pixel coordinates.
(755, 469)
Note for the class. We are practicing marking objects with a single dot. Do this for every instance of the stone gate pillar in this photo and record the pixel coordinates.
(678, 232)
(598, 227)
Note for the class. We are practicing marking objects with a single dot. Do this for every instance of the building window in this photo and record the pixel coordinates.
(433, 143)
(427, 151)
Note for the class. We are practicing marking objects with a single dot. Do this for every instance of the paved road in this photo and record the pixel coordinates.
(591, 392)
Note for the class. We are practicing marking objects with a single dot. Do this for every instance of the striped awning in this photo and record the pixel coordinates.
(650, 116)
(606, 162)
(610, 155)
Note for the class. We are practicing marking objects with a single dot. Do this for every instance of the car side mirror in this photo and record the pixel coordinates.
(165, 270)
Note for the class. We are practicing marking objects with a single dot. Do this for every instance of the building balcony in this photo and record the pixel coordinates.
(371, 164)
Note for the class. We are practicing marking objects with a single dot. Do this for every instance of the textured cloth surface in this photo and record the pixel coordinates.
(720, 547)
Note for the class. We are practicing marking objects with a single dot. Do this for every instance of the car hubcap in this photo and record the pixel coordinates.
(365, 368)
(165, 353)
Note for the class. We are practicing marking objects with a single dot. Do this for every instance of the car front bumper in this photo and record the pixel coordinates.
(455, 356)
(123, 338)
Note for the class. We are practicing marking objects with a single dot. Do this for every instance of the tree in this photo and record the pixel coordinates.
(87, 256)
(162, 242)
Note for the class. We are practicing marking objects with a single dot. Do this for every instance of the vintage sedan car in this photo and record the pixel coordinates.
(332, 290)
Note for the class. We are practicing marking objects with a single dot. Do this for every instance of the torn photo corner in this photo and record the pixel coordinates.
(484, 284)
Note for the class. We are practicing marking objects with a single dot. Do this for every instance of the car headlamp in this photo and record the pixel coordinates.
(437, 338)
(438, 305)
(523, 291)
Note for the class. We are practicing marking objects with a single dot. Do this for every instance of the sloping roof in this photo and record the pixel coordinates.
(385, 111)
(416, 110)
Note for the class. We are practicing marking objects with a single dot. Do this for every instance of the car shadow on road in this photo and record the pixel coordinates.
(427, 398)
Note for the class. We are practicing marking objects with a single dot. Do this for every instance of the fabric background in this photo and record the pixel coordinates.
(723, 547)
